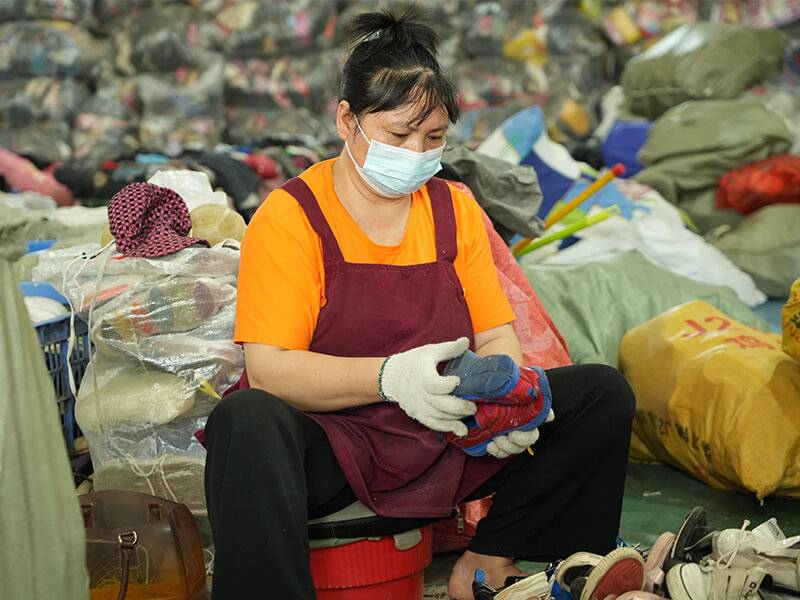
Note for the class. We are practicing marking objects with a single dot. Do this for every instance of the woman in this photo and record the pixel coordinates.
(357, 279)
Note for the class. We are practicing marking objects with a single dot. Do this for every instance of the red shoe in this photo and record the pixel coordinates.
(525, 408)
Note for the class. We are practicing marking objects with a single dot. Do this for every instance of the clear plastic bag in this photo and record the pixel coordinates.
(183, 110)
(76, 11)
(106, 129)
(162, 331)
(165, 39)
(54, 48)
(24, 101)
(247, 124)
(46, 142)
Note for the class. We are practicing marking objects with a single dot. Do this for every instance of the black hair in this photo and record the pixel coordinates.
(392, 62)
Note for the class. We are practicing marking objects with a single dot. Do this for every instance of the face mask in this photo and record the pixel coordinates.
(393, 171)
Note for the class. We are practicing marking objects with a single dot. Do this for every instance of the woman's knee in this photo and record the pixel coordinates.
(617, 392)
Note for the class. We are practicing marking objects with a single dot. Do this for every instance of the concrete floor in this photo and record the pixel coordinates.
(657, 499)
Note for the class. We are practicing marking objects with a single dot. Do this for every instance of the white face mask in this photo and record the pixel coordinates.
(394, 172)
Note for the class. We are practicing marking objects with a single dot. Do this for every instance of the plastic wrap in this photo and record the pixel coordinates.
(23, 101)
(162, 331)
(76, 11)
(164, 39)
(256, 28)
(306, 81)
(105, 129)
(498, 81)
(490, 24)
(46, 142)
(182, 110)
(246, 125)
(55, 48)
(107, 12)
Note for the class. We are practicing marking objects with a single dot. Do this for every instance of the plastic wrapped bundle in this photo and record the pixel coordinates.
(183, 110)
(76, 11)
(108, 11)
(106, 129)
(55, 48)
(306, 81)
(23, 101)
(246, 125)
(496, 82)
(255, 28)
(162, 331)
(45, 142)
(164, 39)
(491, 24)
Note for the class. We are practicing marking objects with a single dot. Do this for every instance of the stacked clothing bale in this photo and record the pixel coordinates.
(281, 70)
(47, 66)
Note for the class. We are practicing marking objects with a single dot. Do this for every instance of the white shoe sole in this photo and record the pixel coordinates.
(620, 571)
(530, 588)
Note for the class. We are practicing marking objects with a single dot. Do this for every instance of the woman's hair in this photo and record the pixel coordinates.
(392, 62)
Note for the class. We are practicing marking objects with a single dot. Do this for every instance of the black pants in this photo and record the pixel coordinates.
(270, 469)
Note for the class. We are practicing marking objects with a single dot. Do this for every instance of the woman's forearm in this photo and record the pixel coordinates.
(500, 340)
(313, 382)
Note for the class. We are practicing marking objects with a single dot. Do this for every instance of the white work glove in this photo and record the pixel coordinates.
(411, 379)
(515, 442)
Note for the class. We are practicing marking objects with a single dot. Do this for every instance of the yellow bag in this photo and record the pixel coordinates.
(791, 322)
(716, 398)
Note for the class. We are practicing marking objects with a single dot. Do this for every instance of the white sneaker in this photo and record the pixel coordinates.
(690, 581)
(766, 547)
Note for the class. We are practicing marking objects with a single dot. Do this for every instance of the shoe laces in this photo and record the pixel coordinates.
(726, 560)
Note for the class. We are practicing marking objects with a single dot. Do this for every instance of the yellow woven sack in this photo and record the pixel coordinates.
(791, 322)
(717, 399)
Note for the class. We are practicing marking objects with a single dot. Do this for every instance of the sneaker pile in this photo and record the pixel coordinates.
(697, 563)
(509, 398)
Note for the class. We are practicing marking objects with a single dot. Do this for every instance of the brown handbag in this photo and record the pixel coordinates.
(142, 547)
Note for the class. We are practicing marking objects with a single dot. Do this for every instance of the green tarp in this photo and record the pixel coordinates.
(596, 304)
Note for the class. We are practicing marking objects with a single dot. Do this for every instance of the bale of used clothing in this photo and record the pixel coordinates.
(692, 145)
(26, 101)
(490, 24)
(248, 124)
(75, 11)
(717, 399)
(306, 81)
(632, 22)
(252, 28)
(22, 175)
(48, 48)
(508, 193)
(497, 81)
(772, 181)
(766, 245)
(108, 12)
(183, 110)
(164, 39)
(107, 129)
(585, 302)
(156, 322)
(701, 61)
(654, 227)
(790, 322)
(45, 142)
(40, 514)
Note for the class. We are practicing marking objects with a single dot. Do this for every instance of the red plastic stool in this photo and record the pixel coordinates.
(389, 568)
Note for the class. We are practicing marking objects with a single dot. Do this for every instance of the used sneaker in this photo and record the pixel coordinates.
(693, 540)
(654, 567)
(766, 547)
(494, 378)
(499, 417)
(691, 581)
(576, 566)
(533, 587)
(618, 572)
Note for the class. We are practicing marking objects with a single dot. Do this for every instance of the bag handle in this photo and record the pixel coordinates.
(127, 543)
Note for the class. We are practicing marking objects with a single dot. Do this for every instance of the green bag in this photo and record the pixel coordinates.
(596, 304)
(43, 548)
(701, 61)
(766, 245)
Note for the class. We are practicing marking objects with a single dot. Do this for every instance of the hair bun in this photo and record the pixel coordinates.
(384, 28)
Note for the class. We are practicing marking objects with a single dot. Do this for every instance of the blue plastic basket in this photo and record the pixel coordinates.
(54, 339)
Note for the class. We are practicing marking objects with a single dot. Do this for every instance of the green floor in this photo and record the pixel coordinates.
(657, 498)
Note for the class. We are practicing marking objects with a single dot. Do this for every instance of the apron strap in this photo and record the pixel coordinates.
(331, 254)
(444, 219)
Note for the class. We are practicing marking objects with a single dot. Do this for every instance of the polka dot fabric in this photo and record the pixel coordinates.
(149, 221)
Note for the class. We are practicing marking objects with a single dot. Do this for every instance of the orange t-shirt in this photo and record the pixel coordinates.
(281, 285)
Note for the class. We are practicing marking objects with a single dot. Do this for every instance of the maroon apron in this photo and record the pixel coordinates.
(395, 465)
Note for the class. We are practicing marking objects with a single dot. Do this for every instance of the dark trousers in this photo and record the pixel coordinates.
(270, 469)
